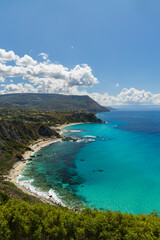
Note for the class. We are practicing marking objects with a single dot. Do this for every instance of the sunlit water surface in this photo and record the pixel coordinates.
(117, 167)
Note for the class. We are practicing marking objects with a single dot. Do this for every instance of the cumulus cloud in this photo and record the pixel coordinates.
(44, 76)
(133, 95)
(7, 56)
(48, 77)
(82, 76)
(2, 79)
(18, 88)
(26, 60)
(127, 96)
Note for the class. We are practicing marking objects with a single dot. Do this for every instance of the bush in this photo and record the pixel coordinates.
(3, 198)
(19, 220)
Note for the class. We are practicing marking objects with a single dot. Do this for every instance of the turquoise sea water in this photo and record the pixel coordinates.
(117, 167)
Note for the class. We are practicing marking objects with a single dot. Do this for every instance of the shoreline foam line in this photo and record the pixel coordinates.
(18, 168)
(25, 186)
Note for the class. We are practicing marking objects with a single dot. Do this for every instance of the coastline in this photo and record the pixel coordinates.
(18, 167)
(15, 173)
(70, 124)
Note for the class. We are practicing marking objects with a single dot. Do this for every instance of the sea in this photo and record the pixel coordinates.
(114, 165)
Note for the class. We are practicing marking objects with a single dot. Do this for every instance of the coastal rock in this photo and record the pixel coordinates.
(67, 139)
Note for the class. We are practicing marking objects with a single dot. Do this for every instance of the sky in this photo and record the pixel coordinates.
(109, 50)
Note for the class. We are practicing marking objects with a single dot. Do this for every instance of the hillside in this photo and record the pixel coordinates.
(19, 128)
(14, 138)
(30, 219)
(51, 102)
(21, 221)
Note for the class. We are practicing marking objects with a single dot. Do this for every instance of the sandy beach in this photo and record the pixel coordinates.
(18, 167)
(70, 124)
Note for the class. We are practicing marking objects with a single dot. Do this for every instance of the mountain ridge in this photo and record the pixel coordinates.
(52, 102)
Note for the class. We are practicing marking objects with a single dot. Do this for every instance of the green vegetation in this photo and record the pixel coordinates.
(24, 217)
(46, 117)
(14, 138)
(51, 102)
(20, 220)
(19, 127)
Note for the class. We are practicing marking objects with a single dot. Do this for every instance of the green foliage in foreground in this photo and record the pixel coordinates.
(20, 220)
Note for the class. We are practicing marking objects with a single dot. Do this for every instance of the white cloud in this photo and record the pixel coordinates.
(18, 88)
(2, 79)
(133, 95)
(82, 76)
(117, 85)
(7, 56)
(49, 77)
(103, 99)
(25, 61)
(127, 96)
(44, 56)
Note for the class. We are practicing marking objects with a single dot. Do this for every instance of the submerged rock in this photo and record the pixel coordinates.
(67, 139)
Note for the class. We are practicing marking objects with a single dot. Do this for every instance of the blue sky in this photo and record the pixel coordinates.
(118, 40)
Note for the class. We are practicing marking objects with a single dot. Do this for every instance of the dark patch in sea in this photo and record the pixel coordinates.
(57, 170)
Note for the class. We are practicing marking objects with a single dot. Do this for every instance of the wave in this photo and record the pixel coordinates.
(80, 140)
(86, 140)
(51, 195)
(90, 136)
(75, 131)
(91, 140)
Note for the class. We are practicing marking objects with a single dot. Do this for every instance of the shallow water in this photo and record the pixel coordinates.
(117, 167)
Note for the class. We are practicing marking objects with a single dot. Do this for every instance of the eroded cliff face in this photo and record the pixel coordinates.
(14, 138)
(16, 132)
(19, 130)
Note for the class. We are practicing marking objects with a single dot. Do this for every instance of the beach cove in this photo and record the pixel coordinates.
(20, 165)
(15, 173)
(113, 166)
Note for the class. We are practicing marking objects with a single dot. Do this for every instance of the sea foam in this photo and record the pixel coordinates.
(50, 195)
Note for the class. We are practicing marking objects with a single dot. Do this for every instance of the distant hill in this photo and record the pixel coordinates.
(51, 102)
(110, 108)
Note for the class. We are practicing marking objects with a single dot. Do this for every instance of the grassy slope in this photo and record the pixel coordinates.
(52, 102)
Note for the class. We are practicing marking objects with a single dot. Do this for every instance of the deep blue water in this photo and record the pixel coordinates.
(117, 170)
